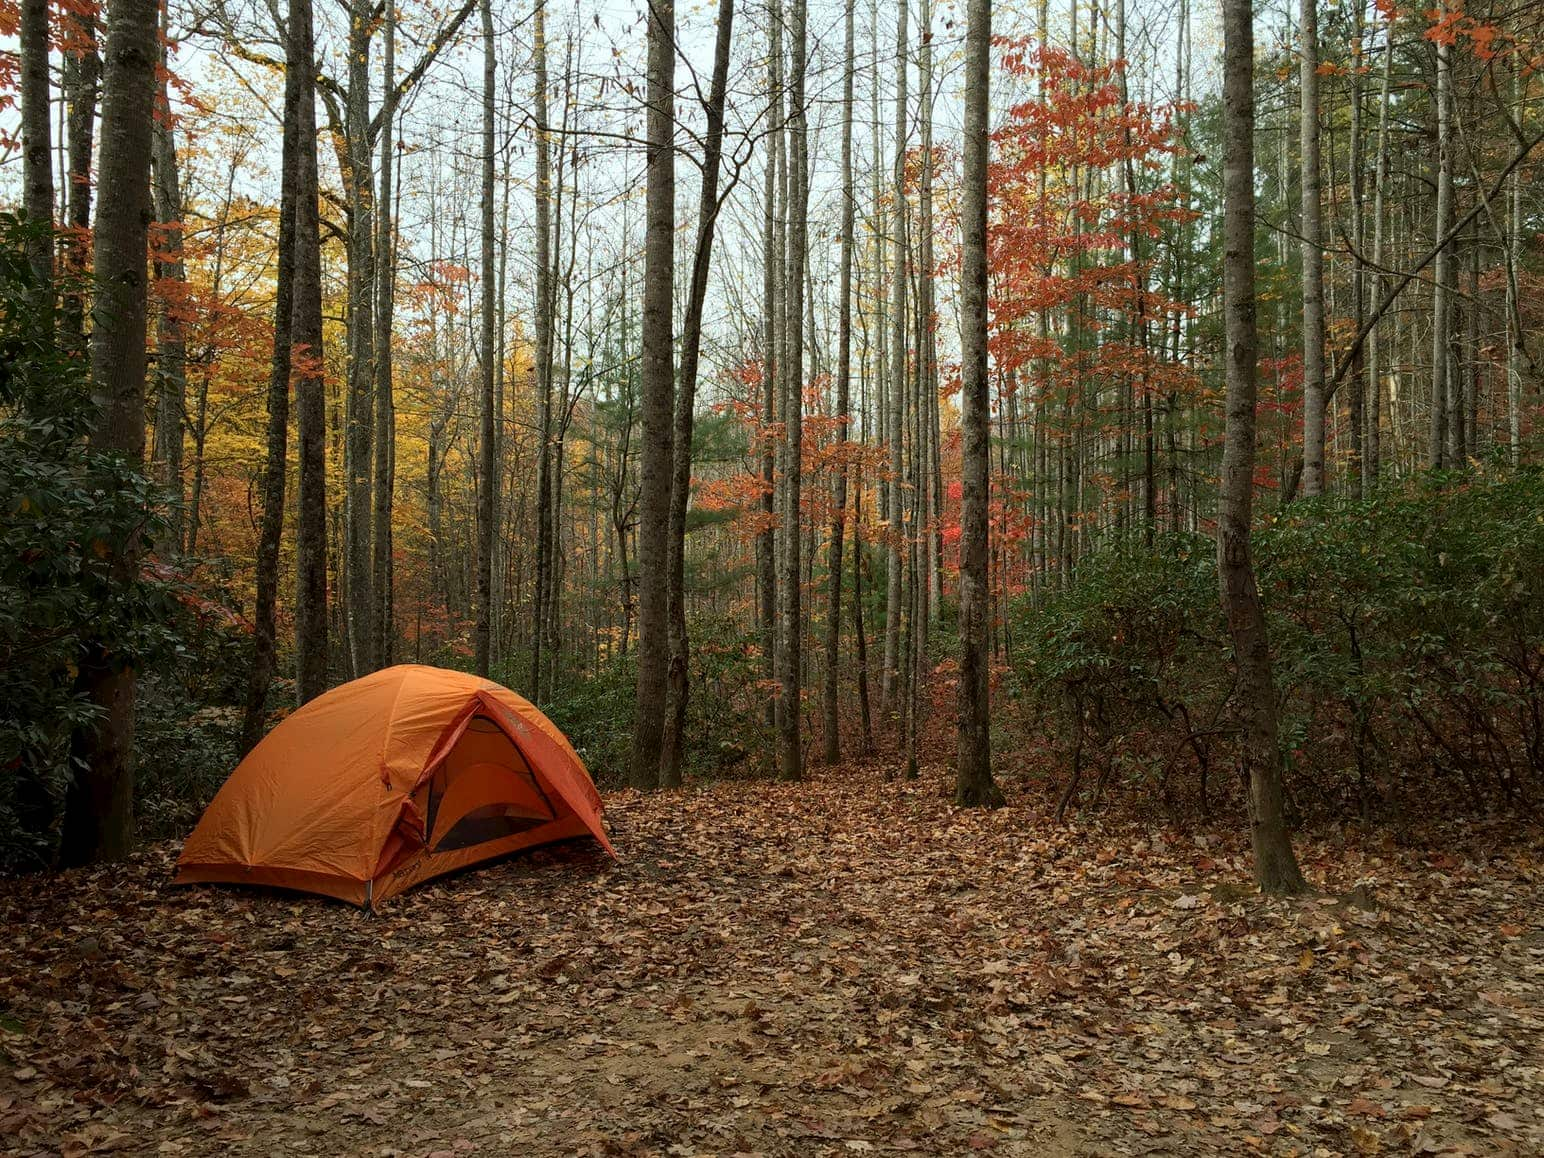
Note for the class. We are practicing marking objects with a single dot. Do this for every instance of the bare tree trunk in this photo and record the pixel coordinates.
(199, 424)
(879, 327)
(383, 615)
(790, 708)
(893, 609)
(311, 644)
(974, 786)
(1514, 330)
(358, 605)
(1313, 256)
(1442, 308)
(99, 804)
(171, 347)
(545, 324)
(489, 469)
(1359, 264)
(276, 454)
(691, 345)
(82, 70)
(930, 476)
(37, 150)
(1276, 868)
(1375, 353)
(1466, 395)
(831, 714)
(772, 263)
(658, 382)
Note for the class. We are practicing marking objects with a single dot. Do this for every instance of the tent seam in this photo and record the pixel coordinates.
(380, 767)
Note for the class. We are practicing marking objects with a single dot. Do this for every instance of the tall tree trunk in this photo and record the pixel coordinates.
(1466, 392)
(171, 346)
(489, 469)
(831, 714)
(930, 477)
(974, 786)
(199, 426)
(545, 323)
(658, 382)
(1442, 308)
(790, 707)
(691, 345)
(82, 70)
(383, 616)
(1313, 255)
(1514, 329)
(276, 454)
(358, 605)
(560, 406)
(37, 151)
(311, 643)
(1275, 865)
(99, 805)
(1357, 376)
(1375, 354)
(772, 263)
(879, 326)
(893, 576)
(859, 636)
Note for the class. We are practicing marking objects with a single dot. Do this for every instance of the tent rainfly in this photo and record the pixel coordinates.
(389, 780)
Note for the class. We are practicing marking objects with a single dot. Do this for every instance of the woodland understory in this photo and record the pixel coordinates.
(840, 966)
(1043, 517)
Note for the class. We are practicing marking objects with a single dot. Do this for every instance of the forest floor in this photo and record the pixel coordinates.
(845, 966)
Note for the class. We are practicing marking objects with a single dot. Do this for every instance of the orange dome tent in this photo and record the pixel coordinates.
(390, 780)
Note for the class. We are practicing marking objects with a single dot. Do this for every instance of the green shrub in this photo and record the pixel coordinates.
(595, 711)
(66, 513)
(1122, 669)
(1408, 640)
(725, 707)
(188, 710)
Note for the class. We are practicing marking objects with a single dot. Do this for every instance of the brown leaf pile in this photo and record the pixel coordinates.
(841, 967)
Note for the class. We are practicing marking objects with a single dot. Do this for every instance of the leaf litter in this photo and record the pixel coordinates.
(845, 966)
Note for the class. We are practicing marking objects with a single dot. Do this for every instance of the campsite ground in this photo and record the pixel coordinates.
(841, 967)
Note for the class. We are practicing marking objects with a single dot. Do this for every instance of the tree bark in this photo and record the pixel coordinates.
(311, 642)
(930, 474)
(658, 382)
(1358, 260)
(772, 262)
(82, 70)
(1373, 444)
(691, 345)
(893, 578)
(488, 471)
(545, 309)
(171, 345)
(974, 786)
(37, 149)
(276, 453)
(1514, 329)
(1442, 308)
(1275, 865)
(1313, 255)
(99, 804)
(383, 616)
(790, 706)
(360, 419)
(859, 635)
(830, 704)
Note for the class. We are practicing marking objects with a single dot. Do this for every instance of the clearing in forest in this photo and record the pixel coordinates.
(843, 966)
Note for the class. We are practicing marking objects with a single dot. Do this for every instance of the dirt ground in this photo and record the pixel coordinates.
(848, 966)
